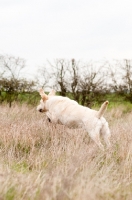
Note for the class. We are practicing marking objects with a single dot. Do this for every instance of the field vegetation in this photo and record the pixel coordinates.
(40, 161)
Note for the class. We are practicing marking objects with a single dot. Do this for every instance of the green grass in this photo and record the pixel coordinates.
(10, 194)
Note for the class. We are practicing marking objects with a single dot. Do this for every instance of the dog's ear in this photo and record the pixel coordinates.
(43, 95)
(52, 93)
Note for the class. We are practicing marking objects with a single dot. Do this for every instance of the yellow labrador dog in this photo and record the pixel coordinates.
(63, 110)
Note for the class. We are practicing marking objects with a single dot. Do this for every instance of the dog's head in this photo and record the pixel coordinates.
(44, 98)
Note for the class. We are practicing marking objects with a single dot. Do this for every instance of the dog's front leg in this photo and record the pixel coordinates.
(51, 117)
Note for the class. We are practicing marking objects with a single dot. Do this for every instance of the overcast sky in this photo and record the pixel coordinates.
(40, 30)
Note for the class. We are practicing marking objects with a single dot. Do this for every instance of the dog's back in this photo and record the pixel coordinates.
(68, 112)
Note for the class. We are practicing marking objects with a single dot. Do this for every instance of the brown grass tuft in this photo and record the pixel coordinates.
(40, 161)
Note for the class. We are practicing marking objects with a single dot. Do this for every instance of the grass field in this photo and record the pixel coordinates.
(39, 161)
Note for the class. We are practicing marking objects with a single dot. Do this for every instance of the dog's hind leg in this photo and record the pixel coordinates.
(94, 133)
(105, 131)
(95, 136)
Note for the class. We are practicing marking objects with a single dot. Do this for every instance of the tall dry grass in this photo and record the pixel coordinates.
(39, 161)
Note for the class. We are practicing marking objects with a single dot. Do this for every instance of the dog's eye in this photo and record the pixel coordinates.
(40, 110)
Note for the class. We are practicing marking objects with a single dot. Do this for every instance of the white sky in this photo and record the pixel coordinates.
(40, 30)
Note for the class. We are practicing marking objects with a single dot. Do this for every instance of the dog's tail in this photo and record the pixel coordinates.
(102, 109)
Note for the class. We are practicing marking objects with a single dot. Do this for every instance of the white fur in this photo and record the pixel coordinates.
(68, 112)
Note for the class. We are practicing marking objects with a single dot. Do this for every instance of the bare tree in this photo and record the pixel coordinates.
(121, 76)
(12, 66)
(61, 80)
(83, 83)
(91, 84)
(54, 75)
(43, 77)
(74, 78)
(127, 78)
(11, 80)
